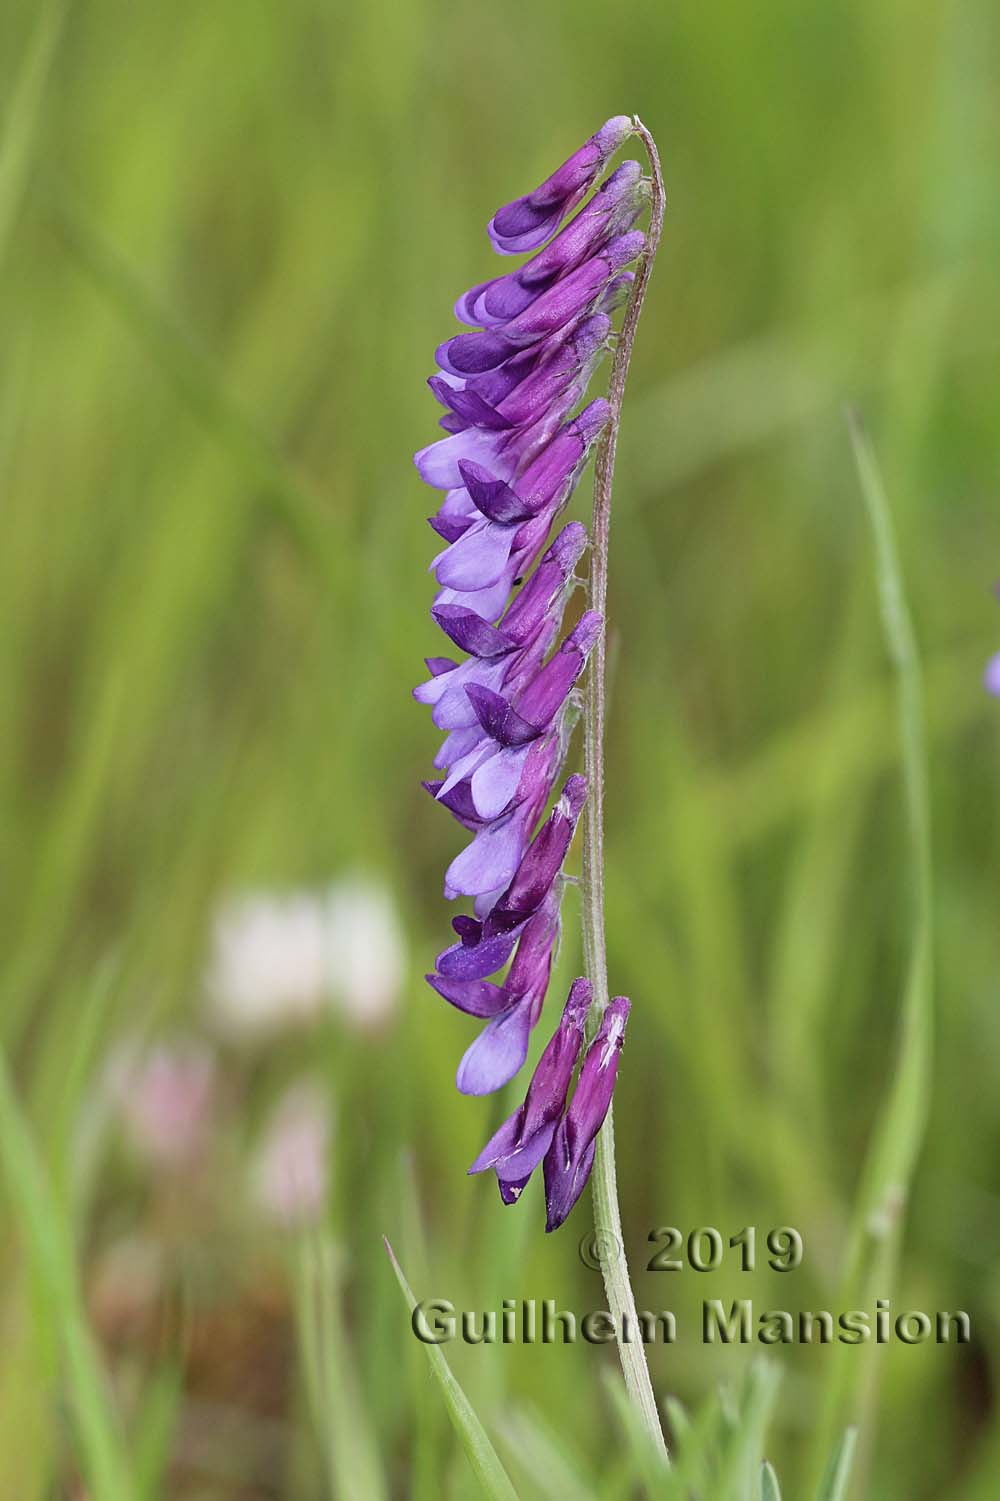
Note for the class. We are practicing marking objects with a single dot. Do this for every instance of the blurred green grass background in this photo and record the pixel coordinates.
(230, 238)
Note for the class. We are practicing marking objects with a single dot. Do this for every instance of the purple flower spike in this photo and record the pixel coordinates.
(523, 1140)
(528, 222)
(570, 1157)
(517, 434)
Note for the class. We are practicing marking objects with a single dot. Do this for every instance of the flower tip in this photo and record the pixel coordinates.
(578, 1002)
(574, 795)
(586, 631)
(614, 133)
(591, 421)
(624, 249)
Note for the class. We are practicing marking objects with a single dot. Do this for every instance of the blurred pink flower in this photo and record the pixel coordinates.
(291, 1170)
(282, 959)
(165, 1096)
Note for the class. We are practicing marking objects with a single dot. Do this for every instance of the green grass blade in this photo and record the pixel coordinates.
(544, 1456)
(23, 114)
(475, 1441)
(899, 1131)
(770, 1490)
(834, 1485)
(50, 1252)
(337, 1406)
(742, 1456)
(201, 388)
(649, 1465)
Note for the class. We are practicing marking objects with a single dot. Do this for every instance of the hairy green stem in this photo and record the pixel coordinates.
(607, 1216)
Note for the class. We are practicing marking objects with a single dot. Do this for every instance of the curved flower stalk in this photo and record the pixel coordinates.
(516, 441)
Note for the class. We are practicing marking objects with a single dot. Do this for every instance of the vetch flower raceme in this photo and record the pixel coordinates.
(517, 436)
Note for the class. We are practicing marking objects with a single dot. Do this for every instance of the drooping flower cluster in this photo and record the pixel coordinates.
(543, 1130)
(516, 444)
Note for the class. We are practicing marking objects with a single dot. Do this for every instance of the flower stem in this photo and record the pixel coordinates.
(607, 1216)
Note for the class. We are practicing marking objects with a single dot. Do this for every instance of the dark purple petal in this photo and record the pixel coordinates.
(438, 665)
(473, 354)
(452, 424)
(458, 801)
(471, 633)
(469, 406)
(449, 531)
(474, 997)
(468, 929)
(448, 695)
(493, 497)
(499, 719)
(475, 961)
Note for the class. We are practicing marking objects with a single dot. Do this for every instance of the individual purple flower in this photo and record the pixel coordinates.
(523, 1140)
(570, 1157)
(486, 944)
(512, 1009)
(528, 222)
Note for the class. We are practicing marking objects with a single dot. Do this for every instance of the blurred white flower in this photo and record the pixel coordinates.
(369, 955)
(165, 1097)
(281, 959)
(290, 1172)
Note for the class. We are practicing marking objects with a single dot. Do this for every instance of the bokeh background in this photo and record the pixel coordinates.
(230, 238)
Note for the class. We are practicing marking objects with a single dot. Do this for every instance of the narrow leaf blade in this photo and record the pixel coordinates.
(475, 1441)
